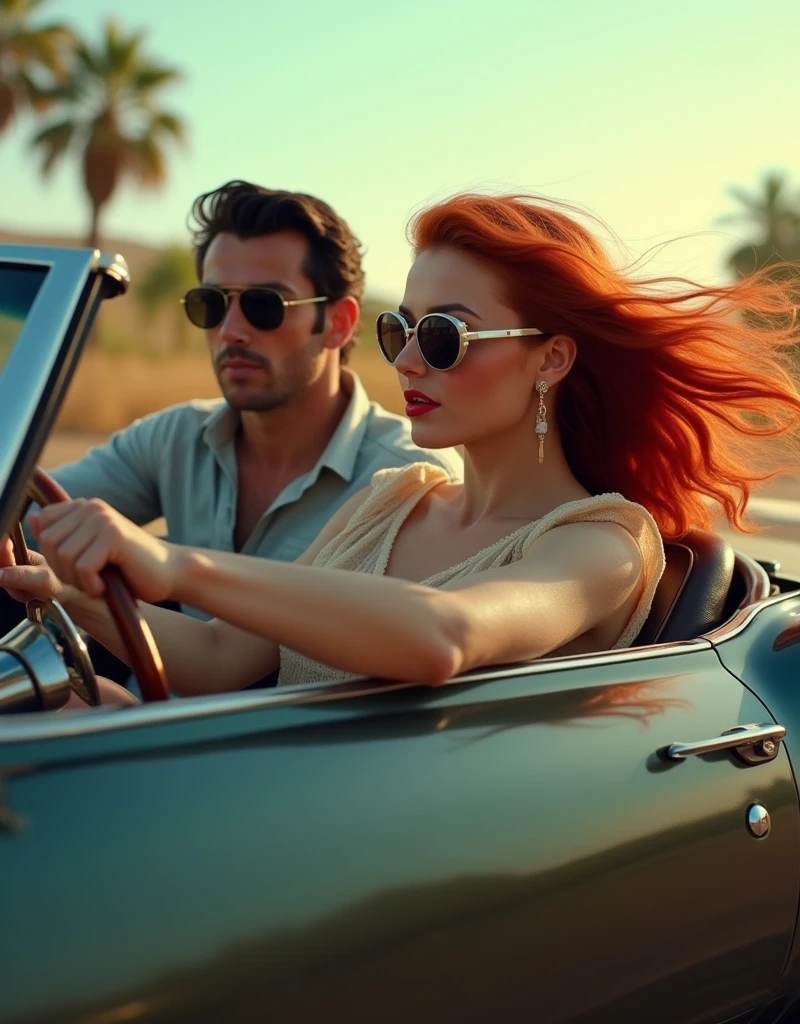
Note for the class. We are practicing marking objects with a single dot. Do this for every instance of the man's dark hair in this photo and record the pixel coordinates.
(240, 208)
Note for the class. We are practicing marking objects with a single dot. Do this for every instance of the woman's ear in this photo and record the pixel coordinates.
(557, 359)
(342, 320)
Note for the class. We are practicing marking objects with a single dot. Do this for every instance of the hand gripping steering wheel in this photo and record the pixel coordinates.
(143, 655)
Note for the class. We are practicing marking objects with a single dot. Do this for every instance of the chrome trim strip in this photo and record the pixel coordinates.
(743, 617)
(116, 267)
(25, 728)
(756, 579)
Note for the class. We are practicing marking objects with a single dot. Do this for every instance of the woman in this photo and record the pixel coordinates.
(569, 385)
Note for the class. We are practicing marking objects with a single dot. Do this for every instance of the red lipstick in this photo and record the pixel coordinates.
(417, 404)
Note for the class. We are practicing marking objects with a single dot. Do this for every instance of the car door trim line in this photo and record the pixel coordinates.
(30, 726)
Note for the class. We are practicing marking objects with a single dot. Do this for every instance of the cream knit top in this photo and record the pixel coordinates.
(364, 545)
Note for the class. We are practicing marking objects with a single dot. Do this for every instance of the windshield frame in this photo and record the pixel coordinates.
(42, 360)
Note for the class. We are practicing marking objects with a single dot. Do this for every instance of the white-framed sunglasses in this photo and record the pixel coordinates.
(442, 339)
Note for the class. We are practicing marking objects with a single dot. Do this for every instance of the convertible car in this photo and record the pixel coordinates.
(613, 837)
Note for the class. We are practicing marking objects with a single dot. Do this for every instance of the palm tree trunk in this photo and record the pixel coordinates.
(93, 241)
(93, 238)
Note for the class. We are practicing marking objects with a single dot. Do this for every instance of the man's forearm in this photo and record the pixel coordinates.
(187, 646)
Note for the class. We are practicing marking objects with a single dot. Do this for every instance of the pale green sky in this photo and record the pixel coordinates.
(642, 110)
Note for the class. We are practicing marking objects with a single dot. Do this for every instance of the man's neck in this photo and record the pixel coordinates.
(289, 440)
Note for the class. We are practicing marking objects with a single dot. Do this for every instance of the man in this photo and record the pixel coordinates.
(261, 470)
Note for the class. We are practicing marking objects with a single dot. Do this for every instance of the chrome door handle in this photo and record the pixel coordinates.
(754, 744)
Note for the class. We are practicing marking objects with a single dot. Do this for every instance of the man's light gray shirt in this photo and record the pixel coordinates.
(180, 463)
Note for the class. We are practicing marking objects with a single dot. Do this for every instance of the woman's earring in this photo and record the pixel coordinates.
(541, 418)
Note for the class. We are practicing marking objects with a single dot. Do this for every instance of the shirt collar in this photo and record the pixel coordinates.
(341, 452)
(219, 428)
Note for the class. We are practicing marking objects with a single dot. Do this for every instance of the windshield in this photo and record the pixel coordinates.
(19, 287)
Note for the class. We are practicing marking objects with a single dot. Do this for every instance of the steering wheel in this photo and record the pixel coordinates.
(143, 655)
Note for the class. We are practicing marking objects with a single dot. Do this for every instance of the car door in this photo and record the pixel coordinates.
(507, 847)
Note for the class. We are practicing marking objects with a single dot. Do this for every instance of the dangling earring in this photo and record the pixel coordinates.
(541, 418)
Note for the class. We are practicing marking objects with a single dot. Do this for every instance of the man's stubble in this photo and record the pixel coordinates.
(298, 373)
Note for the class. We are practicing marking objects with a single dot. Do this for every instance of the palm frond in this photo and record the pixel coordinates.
(70, 91)
(46, 44)
(20, 8)
(54, 141)
(152, 77)
(8, 103)
(120, 50)
(38, 96)
(87, 61)
(774, 185)
(146, 161)
(747, 201)
(166, 124)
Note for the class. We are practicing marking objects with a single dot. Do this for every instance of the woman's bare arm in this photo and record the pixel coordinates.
(573, 580)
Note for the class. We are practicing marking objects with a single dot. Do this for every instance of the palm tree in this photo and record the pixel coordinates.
(774, 216)
(31, 58)
(107, 114)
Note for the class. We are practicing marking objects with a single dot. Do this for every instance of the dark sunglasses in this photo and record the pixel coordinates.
(263, 308)
(442, 339)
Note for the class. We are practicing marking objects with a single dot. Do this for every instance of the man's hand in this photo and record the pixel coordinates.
(28, 582)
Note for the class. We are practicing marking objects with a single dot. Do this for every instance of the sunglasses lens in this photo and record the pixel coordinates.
(439, 341)
(391, 335)
(262, 307)
(205, 307)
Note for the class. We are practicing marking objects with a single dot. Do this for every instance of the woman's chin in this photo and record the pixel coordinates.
(427, 435)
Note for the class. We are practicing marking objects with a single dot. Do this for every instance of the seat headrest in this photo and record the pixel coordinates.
(690, 596)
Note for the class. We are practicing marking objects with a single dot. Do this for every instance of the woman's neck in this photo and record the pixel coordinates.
(503, 478)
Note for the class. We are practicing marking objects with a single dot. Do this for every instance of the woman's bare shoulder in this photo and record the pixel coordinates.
(598, 546)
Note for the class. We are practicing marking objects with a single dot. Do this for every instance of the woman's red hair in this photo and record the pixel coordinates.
(675, 389)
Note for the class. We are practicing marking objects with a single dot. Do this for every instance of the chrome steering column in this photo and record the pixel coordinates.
(43, 658)
(33, 673)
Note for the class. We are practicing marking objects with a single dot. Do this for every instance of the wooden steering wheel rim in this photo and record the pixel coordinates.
(143, 655)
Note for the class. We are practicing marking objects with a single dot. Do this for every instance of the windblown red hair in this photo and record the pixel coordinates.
(675, 396)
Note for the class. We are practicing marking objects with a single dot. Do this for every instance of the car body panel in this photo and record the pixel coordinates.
(417, 854)
(761, 646)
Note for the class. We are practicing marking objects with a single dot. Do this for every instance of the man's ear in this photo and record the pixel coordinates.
(342, 320)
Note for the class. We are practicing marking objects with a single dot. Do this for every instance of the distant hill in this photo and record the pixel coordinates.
(122, 324)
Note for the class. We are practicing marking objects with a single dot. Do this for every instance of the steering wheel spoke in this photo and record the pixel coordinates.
(143, 655)
(52, 617)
